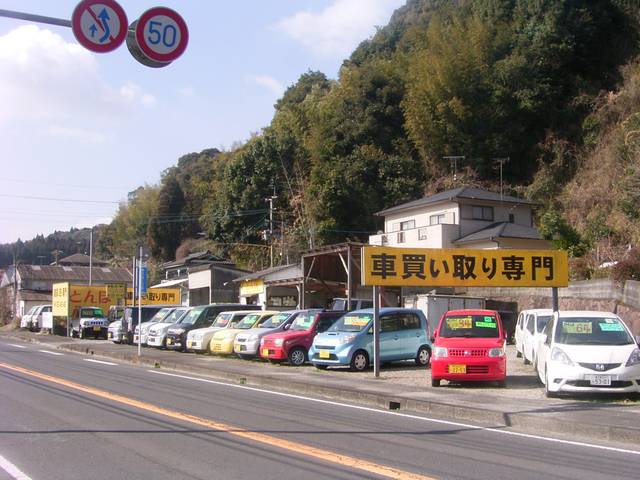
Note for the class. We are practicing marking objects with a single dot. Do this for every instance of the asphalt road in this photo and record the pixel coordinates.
(65, 416)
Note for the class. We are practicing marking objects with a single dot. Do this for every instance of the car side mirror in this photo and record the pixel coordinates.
(287, 327)
(370, 331)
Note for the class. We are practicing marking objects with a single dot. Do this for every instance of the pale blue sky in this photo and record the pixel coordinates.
(79, 125)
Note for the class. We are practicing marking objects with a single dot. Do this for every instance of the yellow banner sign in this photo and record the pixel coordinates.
(251, 287)
(431, 267)
(157, 296)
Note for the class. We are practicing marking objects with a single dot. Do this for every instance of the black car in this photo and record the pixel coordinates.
(199, 317)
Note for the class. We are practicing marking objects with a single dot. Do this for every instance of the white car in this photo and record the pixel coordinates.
(157, 335)
(582, 351)
(247, 344)
(198, 339)
(145, 326)
(533, 322)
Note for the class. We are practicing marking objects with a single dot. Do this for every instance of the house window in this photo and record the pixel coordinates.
(436, 219)
(422, 234)
(407, 225)
(482, 213)
(400, 237)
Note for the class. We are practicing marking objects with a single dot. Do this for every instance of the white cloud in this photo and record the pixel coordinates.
(187, 91)
(340, 27)
(267, 82)
(44, 78)
(76, 133)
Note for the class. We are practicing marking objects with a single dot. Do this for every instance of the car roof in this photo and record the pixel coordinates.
(585, 313)
(537, 310)
(471, 311)
(385, 310)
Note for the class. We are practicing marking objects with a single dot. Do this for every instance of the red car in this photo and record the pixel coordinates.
(293, 344)
(469, 345)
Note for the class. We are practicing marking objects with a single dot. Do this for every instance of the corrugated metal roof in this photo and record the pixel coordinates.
(35, 296)
(80, 259)
(269, 271)
(73, 274)
(469, 193)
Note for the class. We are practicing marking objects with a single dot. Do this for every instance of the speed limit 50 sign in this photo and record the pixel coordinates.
(162, 34)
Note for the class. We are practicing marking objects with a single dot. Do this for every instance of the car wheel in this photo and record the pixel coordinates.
(423, 356)
(359, 361)
(81, 333)
(518, 354)
(321, 367)
(435, 382)
(297, 357)
(524, 360)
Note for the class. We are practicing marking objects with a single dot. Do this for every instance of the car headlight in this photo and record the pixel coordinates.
(197, 336)
(496, 352)
(346, 339)
(557, 355)
(440, 352)
(278, 342)
(634, 358)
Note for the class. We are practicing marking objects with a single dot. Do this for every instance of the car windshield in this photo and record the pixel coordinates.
(275, 321)
(161, 315)
(222, 320)
(303, 321)
(352, 322)
(469, 326)
(192, 316)
(91, 313)
(542, 321)
(248, 321)
(592, 331)
(174, 316)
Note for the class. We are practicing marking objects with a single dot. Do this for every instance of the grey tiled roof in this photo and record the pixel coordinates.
(469, 193)
(502, 230)
(62, 273)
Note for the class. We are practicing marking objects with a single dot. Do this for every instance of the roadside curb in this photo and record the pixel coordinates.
(530, 422)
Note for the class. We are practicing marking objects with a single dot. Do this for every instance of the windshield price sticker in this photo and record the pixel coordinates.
(486, 325)
(459, 323)
(356, 321)
(489, 319)
(584, 328)
(304, 322)
(611, 327)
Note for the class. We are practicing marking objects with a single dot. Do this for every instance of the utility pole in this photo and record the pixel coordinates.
(501, 161)
(453, 159)
(270, 200)
(90, 256)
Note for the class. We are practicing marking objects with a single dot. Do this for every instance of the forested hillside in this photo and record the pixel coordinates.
(551, 84)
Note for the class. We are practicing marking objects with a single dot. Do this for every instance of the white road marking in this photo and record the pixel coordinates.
(50, 352)
(12, 470)
(406, 415)
(98, 361)
(17, 346)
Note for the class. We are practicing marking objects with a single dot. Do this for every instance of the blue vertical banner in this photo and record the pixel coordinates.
(143, 279)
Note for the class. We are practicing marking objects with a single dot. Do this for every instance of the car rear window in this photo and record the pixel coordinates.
(469, 326)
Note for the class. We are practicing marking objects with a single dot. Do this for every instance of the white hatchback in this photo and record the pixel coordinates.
(582, 351)
(528, 331)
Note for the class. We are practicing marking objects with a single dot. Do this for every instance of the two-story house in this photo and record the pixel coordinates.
(465, 217)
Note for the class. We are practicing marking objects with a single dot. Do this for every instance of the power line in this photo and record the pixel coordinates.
(74, 200)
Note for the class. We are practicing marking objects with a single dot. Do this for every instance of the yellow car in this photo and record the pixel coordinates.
(222, 341)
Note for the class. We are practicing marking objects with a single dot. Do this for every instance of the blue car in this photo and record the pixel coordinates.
(349, 341)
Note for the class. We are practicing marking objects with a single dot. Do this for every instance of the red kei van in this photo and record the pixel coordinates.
(469, 345)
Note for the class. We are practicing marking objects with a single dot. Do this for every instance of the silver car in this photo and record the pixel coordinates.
(246, 344)
(157, 335)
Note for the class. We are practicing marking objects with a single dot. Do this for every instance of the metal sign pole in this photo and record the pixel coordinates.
(376, 331)
(139, 302)
(554, 299)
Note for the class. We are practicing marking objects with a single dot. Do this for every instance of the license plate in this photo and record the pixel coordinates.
(599, 380)
(96, 329)
(324, 354)
(265, 352)
(169, 341)
(189, 343)
(236, 348)
(457, 368)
